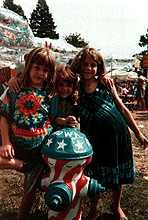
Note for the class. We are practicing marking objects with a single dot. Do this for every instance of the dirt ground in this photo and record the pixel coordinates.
(134, 198)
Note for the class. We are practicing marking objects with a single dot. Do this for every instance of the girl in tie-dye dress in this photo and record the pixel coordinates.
(25, 122)
(104, 119)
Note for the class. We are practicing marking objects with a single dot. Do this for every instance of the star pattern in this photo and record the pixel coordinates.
(29, 104)
(61, 145)
(79, 145)
(49, 142)
(87, 142)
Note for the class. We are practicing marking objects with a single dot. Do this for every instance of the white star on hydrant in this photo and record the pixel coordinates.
(61, 145)
(79, 145)
(49, 142)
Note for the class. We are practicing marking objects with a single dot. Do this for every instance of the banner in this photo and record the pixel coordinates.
(145, 61)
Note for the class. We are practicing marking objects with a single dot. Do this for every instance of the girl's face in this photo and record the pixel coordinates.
(88, 68)
(64, 89)
(38, 74)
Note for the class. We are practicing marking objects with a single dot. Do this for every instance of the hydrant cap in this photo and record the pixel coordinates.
(67, 144)
(58, 196)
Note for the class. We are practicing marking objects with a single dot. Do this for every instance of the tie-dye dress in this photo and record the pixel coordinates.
(112, 163)
(29, 122)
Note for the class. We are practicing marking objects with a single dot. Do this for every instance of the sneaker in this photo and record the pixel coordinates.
(32, 177)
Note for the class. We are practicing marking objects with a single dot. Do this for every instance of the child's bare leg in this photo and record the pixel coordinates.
(14, 164)
(26, 204)
(116, 203)
(93, 208)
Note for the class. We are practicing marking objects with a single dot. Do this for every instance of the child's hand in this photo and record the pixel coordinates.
(14, 84)
(71, 121)
(145, 143)
(7, 151)
(143, 140)
(108, 82)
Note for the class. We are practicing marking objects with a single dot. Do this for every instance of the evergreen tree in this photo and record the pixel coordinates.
(8, 4)
(76, 40)
(144, 42)
(41, 21)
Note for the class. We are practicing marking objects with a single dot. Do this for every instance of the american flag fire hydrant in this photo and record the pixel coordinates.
(67, 152)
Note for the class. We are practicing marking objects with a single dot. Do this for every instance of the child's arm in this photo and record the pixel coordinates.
(14, 84)
(129, 119)
(106, 81)
(64, 122)
(7, 149)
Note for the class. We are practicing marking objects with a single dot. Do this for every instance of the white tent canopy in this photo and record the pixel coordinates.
(122, 75)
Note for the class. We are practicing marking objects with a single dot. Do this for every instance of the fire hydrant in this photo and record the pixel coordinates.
(67, 152)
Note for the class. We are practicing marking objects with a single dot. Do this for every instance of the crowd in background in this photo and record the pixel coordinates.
(138, 90)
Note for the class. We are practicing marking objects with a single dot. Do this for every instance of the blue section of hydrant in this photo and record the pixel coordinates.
(94, 188)
(67, 144)
(58, 196)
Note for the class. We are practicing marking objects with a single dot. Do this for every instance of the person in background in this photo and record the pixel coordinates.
(146, 95)
(25, 122)
(132, 89)
(140, 94)
(118, 88)
(104, 119)
(124, 91)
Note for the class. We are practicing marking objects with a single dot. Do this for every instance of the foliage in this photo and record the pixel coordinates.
(8, 4)
(41, 21)
(143, 42)
(76, 40)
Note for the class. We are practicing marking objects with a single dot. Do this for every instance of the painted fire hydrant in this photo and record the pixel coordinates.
(67, 152)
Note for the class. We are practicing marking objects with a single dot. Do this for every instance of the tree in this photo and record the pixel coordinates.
(41, 21)
(76, 40)
(8, 4)
(143, 42)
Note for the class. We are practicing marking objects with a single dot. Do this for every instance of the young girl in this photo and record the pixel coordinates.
(104, 119)
(66, 86)
(29, 119)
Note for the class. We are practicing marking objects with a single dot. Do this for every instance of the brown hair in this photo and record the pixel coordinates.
(63, 72)
(40, 56)
(81, 56)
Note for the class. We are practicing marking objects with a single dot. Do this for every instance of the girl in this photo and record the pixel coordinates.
(66, 85)
(104, 119)
(29, 119)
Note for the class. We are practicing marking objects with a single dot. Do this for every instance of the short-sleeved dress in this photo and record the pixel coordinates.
(30, 122)
(112, 162)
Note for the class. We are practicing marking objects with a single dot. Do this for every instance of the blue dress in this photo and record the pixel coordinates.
(112, 162)
(29, 120)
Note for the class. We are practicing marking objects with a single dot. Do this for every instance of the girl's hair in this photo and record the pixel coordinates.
(63, 72)
(40, 56)
(81, 56)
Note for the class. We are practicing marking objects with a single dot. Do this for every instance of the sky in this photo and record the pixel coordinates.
(113, 26)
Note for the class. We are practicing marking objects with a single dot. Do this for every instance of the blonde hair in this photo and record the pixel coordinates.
(63, 72)
(81, 56)
(40, 56)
